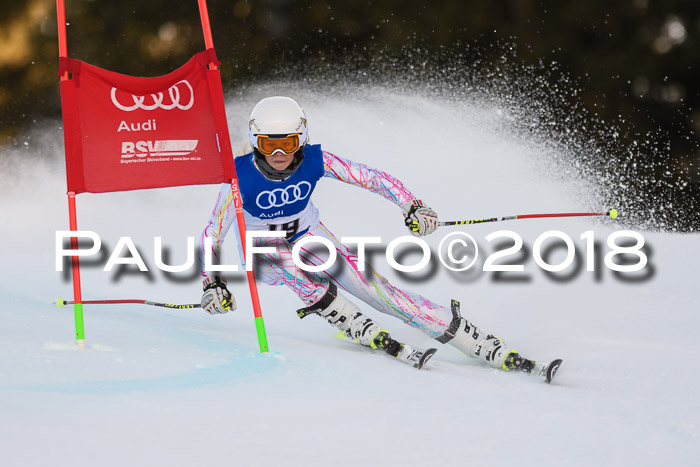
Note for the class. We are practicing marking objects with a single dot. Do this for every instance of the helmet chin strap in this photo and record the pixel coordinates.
(269, 172)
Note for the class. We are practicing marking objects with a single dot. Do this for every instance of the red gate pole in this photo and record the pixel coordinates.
(206, 27)
(62, 45)
(237, 200)
(77, 298)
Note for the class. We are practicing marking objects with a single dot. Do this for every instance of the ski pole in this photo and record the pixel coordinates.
(612, 213)
(60, 302)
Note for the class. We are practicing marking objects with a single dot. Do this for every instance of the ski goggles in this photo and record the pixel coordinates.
(268, 145)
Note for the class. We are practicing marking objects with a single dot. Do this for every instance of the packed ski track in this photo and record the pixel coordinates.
(180, 387)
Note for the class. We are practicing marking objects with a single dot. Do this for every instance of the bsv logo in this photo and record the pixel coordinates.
(160, 148)
(282, 196)
(156, 100)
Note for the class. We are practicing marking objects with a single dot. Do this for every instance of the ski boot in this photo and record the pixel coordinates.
(353, 325)
(473, 342)
(344, 315)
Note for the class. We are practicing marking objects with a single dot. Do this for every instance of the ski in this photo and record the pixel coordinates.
(403, 352)
(543, 371)
(547, 371)
(414, 357)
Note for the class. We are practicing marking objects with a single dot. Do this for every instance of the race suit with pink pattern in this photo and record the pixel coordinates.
(279, 269)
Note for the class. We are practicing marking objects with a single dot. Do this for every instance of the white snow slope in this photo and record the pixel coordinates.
(161, 387)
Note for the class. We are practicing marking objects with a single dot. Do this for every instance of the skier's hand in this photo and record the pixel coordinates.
(420, 219)
(216, 298)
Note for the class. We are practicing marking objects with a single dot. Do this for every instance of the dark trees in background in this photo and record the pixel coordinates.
(634, 61)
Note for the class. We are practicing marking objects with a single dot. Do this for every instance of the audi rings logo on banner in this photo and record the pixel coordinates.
(282, 196)
(157, 99)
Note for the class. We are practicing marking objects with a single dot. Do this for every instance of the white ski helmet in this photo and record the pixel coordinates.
(277, 124)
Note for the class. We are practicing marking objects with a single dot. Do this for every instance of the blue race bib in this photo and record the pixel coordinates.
(271, 199)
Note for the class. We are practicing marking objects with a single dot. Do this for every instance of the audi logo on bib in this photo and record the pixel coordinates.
(156, 102)
(282, 196)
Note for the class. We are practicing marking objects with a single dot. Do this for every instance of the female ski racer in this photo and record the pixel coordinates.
(276, 182)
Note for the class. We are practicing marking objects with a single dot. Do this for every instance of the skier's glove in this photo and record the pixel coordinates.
(420, 219)
(216, 298)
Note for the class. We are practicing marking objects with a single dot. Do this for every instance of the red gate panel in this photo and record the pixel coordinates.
(128, 133)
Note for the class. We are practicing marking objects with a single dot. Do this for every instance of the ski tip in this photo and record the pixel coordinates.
(427, 355)
(552, 369)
